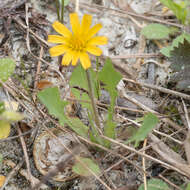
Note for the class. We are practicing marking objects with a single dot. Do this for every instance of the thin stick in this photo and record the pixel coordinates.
(26, 156)
(161, 89)
(186, 115)
(144, 166)
(38, 67)
(125, 14)
(186, 173)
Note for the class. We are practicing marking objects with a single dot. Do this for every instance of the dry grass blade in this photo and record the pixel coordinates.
(187, 140)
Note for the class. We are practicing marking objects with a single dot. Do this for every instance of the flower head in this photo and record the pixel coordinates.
(75, 45)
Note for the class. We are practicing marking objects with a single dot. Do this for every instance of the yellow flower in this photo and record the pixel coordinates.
(75, 45)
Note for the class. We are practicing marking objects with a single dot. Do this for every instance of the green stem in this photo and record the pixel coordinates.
(91, 95)
(57, 7)
(62, 11)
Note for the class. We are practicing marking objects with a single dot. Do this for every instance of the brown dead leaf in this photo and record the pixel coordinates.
(169, 155)
(165, 152)
(44, 84)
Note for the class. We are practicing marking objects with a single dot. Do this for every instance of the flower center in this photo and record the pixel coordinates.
(77, 43)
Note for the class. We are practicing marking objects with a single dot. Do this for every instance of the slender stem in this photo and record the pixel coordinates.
(91, 95)
(62, 11)
(57, 7)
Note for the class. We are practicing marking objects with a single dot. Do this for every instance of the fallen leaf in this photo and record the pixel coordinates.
(44, 84)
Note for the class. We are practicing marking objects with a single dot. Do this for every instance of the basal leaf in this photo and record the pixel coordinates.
(110, 77)
(156, 31)
(4, 129)
(180, 56)
(83, 171)
(50, 97)
(166, 51)
(82, 96)
(155, 184)
(78, 126)
(78, 78)
(109, 131)
(180, 39)
(149, 122)
(7, 67)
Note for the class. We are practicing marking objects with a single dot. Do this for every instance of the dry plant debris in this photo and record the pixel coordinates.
(35, 156)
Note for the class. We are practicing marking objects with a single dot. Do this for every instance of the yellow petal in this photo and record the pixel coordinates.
(98, 40)
(75, 58)
(56, 39)
(57, 50)
(94, 50)
(75, 23)
(93, 30)
(67, 59)
(61, 29)
(85, 60)
(86, 23)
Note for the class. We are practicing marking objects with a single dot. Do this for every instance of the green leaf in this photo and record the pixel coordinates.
(78, 126)
(109, 131)
(7, 67)
(78, 78)
(155, 184)
(188, 186)
(2, 107)
(180, 39)
(50, 97)
(83, 171)
(156, 31)
(110, 78)
(4, 129)
(178, 9)
(166, 51)
(82, 96)
(11, 116)
(93, 132)
(149, 122)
